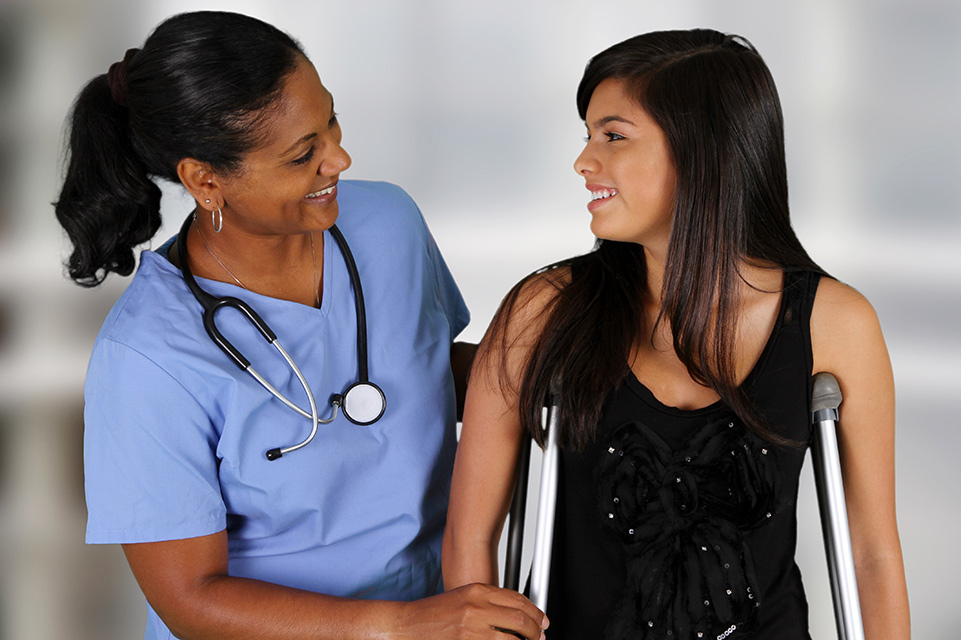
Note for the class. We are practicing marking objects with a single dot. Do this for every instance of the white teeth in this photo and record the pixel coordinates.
(603, 193)
(322, 192)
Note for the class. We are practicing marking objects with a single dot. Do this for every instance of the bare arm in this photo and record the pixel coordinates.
(482, 484)
(848, 343)
(491, 437)
(187, 584)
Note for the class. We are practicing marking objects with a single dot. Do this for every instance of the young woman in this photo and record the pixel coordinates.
(683, 348)
(337, 535)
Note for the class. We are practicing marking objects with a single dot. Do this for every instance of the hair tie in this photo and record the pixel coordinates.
(117, 78)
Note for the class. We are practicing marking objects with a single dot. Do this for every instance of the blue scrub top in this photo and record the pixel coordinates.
(176, 435)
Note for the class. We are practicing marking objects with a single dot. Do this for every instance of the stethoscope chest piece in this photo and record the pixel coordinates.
(364, 403)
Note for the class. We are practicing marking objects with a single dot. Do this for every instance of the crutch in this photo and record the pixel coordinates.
(825, 400)
(515, 519)
(546, 506)
(544, 530)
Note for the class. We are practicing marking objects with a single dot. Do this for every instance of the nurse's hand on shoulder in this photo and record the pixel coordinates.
(472, 611)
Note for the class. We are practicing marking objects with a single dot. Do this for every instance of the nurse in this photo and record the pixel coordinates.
(337, 539)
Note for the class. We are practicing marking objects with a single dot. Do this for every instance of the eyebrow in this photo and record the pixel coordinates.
(609, 119)
(301, 141)
(309, 136)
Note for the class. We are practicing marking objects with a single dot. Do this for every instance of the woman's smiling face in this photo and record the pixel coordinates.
(629, 170)
(288, 183)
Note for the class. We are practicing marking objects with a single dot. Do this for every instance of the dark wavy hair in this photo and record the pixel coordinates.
(200, 87)
(716, 102)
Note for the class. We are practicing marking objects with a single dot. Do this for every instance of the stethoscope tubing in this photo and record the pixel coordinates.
(211, 304)
(361, 308)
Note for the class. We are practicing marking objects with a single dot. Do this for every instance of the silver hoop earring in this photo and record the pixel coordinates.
(217, 220)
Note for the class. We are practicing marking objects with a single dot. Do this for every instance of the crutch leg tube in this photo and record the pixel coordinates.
(515, 526)
(546, 507)
(825, 400)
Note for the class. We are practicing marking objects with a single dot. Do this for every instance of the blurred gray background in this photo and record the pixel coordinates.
(470, 107)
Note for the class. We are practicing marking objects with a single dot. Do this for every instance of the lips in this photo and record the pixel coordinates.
(600, 194)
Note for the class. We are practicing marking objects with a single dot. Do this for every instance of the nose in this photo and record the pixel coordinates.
(585, 163)
(336, 160)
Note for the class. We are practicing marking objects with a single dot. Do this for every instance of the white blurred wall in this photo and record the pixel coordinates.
(469, 106)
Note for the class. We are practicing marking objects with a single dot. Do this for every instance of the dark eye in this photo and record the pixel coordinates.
(304, 159)
(613, 136)
(333, 122)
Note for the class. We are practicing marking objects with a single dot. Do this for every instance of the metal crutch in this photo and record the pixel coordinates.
(825, 400)
(515, 521)
(546, 506)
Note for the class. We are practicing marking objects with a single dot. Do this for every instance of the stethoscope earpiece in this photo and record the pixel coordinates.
(363, 402)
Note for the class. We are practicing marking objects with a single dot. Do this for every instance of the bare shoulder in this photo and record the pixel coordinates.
(840, 308)
(519, 321)
(844, 325)
(544, 285)
(514, 333)
(532, 297)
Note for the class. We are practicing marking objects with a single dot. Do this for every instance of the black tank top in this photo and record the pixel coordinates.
(682, 524)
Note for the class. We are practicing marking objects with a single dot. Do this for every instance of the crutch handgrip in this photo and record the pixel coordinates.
(825, 400)
(825, 397)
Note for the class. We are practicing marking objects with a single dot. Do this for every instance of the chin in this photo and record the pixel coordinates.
(321, 220)
(605, 232)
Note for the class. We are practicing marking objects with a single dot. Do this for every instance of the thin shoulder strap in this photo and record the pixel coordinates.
(805, 291)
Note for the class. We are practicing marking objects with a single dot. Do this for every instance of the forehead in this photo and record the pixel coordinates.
(611, 99)
(303, 106)
(614, 106)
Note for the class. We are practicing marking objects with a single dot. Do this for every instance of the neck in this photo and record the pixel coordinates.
(287, 267)
(755, 280)
(654, 261)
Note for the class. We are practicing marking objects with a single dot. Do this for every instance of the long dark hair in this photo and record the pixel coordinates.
(716, 102)
(200, 87)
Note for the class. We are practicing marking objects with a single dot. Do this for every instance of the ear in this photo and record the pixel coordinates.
(201, 182)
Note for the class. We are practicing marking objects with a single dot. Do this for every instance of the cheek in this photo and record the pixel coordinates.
(649, 191)
(659, 185)
(278, 192)
(247, 189)
(668, 184)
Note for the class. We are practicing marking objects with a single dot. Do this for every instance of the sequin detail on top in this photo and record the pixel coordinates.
(682, 516)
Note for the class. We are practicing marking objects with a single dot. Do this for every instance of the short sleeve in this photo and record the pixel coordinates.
(450, 296)
(150, 460)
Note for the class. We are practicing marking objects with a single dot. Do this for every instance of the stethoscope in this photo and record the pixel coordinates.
(363, 402)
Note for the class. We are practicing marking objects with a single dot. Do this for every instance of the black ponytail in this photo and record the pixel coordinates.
(201, 87)
(108, 205)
